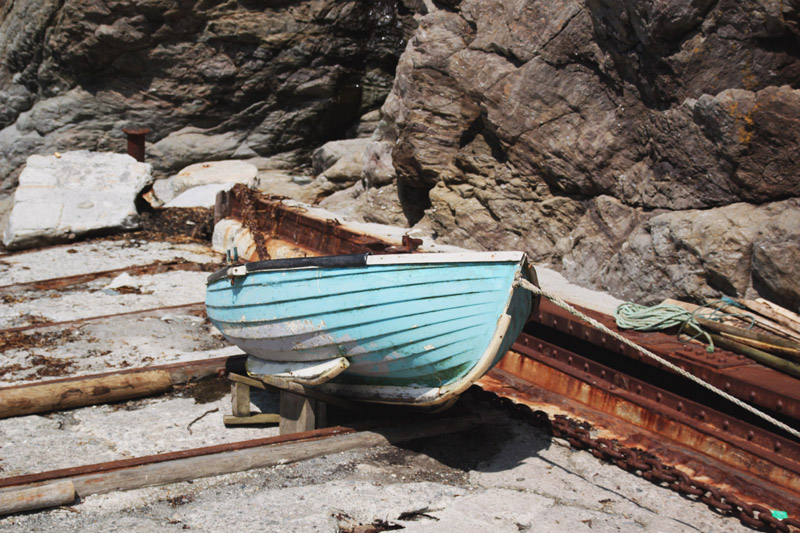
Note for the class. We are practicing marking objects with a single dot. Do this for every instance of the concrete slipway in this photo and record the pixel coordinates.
(509, 478)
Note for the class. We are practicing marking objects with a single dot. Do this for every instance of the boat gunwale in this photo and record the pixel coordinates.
(368, 259)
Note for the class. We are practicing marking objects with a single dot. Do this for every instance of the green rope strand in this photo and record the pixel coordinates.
(642, 318)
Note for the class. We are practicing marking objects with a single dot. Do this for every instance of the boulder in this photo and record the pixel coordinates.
(215, 172)
(736, 250)
(201, 196)
(63, 196)
(631, 146)
(332, 152)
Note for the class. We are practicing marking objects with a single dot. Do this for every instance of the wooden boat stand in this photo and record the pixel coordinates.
(301, 408)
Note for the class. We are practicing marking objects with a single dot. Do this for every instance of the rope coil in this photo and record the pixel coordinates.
(641, 318)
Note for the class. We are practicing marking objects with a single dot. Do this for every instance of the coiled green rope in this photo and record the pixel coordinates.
(664, 316)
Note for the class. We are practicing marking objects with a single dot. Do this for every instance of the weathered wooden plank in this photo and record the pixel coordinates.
(39, 497)
(268, 382)
(195, 467)
(179, 373)
(17, 401)
(240, 399)
(251, 420)
(299, 413)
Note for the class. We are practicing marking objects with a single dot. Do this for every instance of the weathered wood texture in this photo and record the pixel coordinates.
(39, 497)
(31, 398)
(299, 413)
(68, 395)
(240, 399)
(251, 420)
(195, 467)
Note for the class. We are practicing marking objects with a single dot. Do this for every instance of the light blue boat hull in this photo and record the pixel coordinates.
(412, 333)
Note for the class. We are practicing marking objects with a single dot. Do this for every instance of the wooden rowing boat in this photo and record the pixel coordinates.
(405, 328)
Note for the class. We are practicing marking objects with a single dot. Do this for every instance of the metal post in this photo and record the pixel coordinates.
(136, 142)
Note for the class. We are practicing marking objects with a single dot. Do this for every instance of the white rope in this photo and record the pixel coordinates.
(525, 284)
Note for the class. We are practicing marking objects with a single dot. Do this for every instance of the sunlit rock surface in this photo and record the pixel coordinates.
(64, 196)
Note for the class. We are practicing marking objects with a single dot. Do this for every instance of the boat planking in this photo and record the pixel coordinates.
(414, 329)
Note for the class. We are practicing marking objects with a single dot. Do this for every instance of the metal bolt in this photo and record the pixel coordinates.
(777, 446)
(727, 386)
(752, 395)
(638, 389)
(702, 415)
(136, 142)
(779, 405)
(680, 406)
(750, 435)
(569, 360)
(586, 367)
(725, 424)
(659, 397)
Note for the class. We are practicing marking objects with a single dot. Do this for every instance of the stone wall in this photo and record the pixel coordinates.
(646, 148)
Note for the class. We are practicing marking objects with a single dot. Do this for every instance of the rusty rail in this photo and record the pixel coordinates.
(733, 373)
(196, 309)
(157, 267)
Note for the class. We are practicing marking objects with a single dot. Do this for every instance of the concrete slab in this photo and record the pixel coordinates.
(62, 196)
(511, 480)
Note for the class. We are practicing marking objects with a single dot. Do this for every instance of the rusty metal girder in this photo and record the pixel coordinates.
(735, 374)
(613, 421)
(782, 452)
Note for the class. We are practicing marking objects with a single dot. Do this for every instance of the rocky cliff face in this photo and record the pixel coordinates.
(212, 80)
(645, 148)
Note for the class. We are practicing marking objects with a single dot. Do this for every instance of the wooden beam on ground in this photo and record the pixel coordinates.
(256, 419)
(39, 497)
(277, 450)
(81, 391)
(60, 396)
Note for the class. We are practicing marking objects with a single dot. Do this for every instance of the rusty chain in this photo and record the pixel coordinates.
(640, 463)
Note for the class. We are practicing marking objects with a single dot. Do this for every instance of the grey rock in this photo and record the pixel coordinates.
(215, 172)
(253, 82)
(612, 140)
(189, 144)
(67, 195)
(701, 255)
(200, 196)
(327, 155)
(378, 169)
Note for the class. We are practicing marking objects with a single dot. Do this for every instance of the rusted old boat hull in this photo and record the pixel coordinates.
(405, 328)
